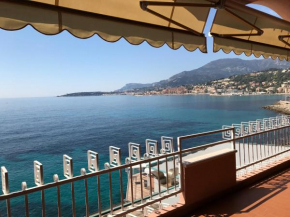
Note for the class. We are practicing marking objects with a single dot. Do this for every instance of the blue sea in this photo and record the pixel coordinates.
(44, 129)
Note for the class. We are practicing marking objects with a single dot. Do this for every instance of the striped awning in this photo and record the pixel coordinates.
(173, 22)
(241, 29)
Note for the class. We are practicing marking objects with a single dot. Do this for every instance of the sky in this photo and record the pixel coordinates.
(36, 65)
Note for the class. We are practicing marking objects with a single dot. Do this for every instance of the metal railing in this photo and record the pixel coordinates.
(153, 159)
(159, 173)
(260, 142)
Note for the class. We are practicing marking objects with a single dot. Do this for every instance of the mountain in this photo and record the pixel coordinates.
(132, 86)
(214, 70)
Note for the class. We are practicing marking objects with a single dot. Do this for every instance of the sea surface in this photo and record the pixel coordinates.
(44, 129)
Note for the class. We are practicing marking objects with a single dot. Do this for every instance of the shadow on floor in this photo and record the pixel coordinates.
(246, 200)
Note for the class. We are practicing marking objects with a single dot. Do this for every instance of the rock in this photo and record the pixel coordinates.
(282, 107)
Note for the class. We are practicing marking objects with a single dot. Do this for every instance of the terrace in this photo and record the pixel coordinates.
(166, 181)
(188, 181)
(266, 198)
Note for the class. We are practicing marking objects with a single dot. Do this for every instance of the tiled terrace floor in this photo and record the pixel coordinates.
(270, 198)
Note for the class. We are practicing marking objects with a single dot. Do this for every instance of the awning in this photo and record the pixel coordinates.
(173, 22)
(241, 29)
(176, 23)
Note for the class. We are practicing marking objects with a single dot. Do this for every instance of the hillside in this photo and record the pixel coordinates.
(97, 93)
(271, 81)
(266, 79)
(214, 70)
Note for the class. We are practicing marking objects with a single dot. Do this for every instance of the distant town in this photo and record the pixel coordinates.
(272, 81)
(266, 82)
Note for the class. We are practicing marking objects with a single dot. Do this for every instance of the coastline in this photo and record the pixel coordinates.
(281, 106)
(214, 95)
(86, 94)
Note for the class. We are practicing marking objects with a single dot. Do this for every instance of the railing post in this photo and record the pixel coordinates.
(93, 166)
(179, 145)
(167, 144)
(39, 181)
(233, 137)
(5, 188)
(134, 156)
(83, 173)
(56, 179)
(107, 167)
(68, 173)
(115, 161)
(24, 188)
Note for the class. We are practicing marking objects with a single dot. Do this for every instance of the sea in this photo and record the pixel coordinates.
(44, 129)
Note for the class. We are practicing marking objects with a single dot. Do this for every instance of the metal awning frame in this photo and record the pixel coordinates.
(259, 31)
(220, 5)
(282, 37)
(242, 8)
(144, 5)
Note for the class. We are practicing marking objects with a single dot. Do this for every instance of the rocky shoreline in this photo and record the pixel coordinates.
(280, 107)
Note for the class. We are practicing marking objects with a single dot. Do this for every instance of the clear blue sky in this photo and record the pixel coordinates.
(36, 65)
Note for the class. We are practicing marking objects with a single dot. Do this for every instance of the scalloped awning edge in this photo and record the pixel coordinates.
(15, 16)
(249, 48)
